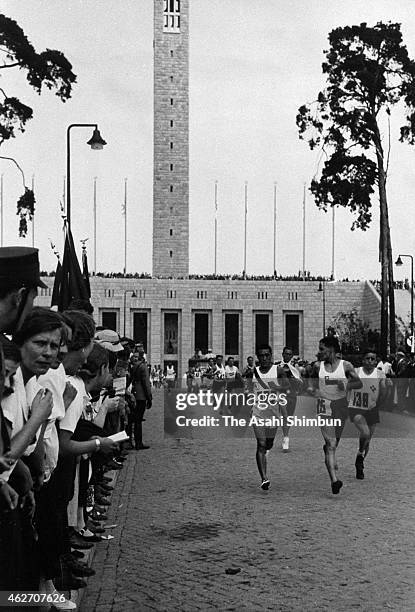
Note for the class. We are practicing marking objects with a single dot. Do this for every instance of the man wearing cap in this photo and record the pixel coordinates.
(19, 279)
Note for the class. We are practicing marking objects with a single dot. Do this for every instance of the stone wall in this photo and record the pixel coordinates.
(278, 298)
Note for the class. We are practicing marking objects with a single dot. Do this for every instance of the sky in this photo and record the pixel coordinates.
(252, 64)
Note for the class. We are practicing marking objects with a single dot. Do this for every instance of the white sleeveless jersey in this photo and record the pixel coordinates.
(230, 372)
(170, 372)
(328, 382)
(219, 373)
(366, 397)
(328, 388)
(263, 408)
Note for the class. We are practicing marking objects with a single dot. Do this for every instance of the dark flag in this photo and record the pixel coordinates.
(85, 271)
(57, 284)
(69, 281)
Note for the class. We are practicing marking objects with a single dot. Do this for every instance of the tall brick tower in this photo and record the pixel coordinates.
(171, 138)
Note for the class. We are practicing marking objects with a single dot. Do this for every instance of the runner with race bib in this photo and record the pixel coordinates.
(331, 379)
(268, 382)
(363, 405)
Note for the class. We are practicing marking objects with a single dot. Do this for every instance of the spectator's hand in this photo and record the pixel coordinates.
(111, 404)
(28, 503)
(38, 481)
(107, 445)
(42, 404)
(5, 463)
(8, 497)
(149, 403)
(69, 394)
(122, 406)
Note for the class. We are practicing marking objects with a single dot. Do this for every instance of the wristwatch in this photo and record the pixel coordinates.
(97, 444)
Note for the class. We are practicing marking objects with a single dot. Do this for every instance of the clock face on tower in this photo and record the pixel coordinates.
(171, 15)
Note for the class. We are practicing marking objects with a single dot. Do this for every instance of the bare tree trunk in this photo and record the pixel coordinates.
(384, 253)
(392, 316)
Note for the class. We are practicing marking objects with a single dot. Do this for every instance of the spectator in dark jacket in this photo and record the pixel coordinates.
(141, 389)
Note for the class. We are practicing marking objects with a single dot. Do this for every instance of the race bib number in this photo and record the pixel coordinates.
(360, 400)
(323, 406)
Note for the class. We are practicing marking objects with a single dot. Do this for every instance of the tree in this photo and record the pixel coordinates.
(351, 331)
(368, 72)
(48, 69)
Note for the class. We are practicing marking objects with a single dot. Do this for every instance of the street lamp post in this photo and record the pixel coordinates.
(133, 295)
(96, 142)
(322, 287)
(399, 262)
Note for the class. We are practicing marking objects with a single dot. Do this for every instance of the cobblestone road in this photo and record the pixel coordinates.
(188, 510)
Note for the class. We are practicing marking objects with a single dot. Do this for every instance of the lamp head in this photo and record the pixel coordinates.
(399, 261)
(96, 142)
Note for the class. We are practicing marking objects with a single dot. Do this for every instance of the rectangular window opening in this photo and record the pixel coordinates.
(292, 332)
(261, 329)
(232, 333)
(109, 319)
(201, 339)
(140, 328)
(171, 333)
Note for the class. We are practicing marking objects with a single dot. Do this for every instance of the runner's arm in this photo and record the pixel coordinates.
(312, 378)
(353, 381)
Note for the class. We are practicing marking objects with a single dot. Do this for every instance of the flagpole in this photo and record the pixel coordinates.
(246, 215)
(304, 232)
(125, 226)
(95, 225)
(33, 216)
(275, 229)
(332, 242)
(216, 226)
(1, 208)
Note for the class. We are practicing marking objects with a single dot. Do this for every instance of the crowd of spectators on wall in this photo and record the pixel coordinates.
(405, 284)
(300, 277)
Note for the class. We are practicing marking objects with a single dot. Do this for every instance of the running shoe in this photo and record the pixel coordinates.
(359, 464)
(265, 485)
(59, 601)
(336, 486)
(286, 444)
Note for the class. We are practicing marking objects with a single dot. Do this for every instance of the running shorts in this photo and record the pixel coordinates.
(371, 416)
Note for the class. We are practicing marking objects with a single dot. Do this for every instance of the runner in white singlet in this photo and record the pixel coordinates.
(330, 380)
(268, 380)
(363, 405)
